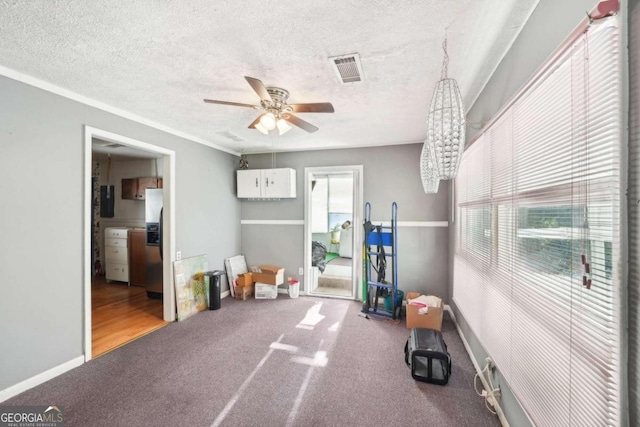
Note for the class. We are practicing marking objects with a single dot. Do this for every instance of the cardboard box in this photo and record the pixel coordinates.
(431, 320)
(245, 279)
(266, 291)
(244, 292)
(269, 275)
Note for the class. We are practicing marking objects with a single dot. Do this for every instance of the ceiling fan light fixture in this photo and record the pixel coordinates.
(283, 126)
(276, 118)
(261, 128)
(268, 121)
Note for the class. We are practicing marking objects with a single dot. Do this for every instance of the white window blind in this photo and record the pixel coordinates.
(538, 198)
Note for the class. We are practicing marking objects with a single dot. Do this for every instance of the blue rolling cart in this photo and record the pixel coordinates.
(381, 242)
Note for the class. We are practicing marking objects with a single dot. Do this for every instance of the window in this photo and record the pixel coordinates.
(332, 201)
(538, 202)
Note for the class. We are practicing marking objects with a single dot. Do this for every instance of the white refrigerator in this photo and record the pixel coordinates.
(153, 227)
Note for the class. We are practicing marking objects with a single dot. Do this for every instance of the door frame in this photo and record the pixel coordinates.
(358, 203)
(169, 164)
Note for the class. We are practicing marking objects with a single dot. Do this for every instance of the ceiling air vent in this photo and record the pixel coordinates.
(231, 136)
(348, 68)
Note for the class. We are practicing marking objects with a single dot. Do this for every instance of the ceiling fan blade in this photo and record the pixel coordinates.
(259, 87)
(255, 122)
(317, 107)
(237, 104)
(300, 123)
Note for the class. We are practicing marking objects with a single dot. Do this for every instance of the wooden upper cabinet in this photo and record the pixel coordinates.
(133, 188)
(129, 188)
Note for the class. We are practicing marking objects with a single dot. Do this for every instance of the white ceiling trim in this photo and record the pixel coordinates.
(40, 84)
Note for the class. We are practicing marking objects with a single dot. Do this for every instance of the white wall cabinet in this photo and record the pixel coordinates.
(249, 183)
(267, 183)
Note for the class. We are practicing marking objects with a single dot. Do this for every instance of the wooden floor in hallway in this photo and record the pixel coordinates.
(120, 313)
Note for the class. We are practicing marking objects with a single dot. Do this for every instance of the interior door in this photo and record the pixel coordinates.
(343, 272)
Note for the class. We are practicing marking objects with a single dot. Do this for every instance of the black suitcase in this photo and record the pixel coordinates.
(426, 353)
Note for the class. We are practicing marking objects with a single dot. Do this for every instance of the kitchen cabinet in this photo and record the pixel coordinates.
(137, 257)
(116, 254)
(267, 183)
(133, 188)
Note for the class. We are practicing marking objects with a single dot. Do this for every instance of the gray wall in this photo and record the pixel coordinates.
(42, 214)
(548, 26)
(390, 174)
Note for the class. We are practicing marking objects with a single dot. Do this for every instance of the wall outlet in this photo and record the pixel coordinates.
(301, 271)
(178, 256)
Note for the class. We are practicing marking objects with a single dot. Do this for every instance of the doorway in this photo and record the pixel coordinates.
(333, 215)
(143, 312)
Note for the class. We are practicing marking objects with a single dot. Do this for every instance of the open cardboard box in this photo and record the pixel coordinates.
(431, 320)
(244, 292)
(245, 279)
(269, 275)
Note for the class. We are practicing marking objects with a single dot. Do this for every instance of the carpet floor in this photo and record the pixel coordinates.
(284, 362)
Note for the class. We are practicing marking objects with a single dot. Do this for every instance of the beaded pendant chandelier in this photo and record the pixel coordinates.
(428, 173)
(446, 124)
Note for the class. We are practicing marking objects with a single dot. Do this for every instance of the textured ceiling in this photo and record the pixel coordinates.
(159, 59)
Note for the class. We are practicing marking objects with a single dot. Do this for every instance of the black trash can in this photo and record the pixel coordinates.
(214, 288)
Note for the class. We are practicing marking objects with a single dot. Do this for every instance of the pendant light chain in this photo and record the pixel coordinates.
(445, 60)
(273, 153)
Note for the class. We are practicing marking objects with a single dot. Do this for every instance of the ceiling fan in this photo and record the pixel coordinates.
(277, 113)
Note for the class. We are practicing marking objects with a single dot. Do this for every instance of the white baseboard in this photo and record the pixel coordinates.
(498, 408)
(225, 294)
(45, 376)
